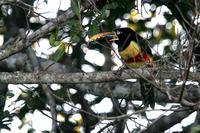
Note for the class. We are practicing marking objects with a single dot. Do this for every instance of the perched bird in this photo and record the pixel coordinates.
(135, 53)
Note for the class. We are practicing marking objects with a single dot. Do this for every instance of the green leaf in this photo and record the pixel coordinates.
(75, 39)
(59, 52)
(93, 29)
(196, 129)
(32, 130)
(45, 132)
(112, 5)
(76, 30)
(75, 7)
(53, 38)
(56, 43)
(104, 12)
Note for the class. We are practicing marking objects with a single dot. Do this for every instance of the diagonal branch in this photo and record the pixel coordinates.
(41, 32)
(20, 45)
(165, 122)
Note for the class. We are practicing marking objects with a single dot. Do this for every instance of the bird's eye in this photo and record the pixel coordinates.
(118, 32)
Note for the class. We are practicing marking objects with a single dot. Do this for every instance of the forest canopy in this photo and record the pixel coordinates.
(48, 65)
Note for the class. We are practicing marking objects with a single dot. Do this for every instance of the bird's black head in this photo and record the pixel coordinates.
(124, 37)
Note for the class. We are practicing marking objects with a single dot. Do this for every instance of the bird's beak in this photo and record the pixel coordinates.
(110, 36)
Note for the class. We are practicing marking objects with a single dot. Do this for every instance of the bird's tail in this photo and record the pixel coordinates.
(147, 92)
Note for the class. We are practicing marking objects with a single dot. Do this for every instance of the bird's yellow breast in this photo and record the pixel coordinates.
(131, 51)
(134, 57)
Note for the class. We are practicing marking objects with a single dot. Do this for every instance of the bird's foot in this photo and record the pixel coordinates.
(119, 70)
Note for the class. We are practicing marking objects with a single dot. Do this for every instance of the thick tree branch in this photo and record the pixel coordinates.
(99, 83)
(93, 77)
(117, 89)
